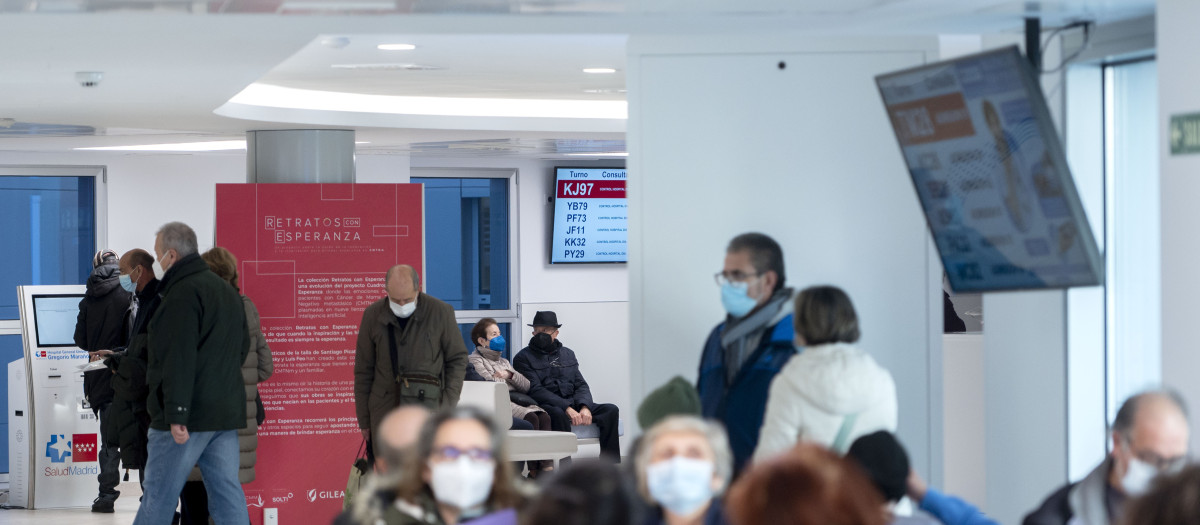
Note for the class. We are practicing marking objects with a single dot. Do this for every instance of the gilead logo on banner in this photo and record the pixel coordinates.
(312, 257)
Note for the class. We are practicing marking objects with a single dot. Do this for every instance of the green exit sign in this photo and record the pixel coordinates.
(1185, 134)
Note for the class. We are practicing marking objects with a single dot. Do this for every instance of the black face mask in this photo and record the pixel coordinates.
(542, 342)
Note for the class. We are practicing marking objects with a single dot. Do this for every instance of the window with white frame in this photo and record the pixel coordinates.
(470, 252)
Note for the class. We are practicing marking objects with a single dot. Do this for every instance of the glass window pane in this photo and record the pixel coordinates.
(466, 242)
(505, 330)
(50, 222)
(10, 350)
(1133, 258)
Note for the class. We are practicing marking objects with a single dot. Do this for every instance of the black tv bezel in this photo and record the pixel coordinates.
(1054, 147)
(554, 211)
(37, 334)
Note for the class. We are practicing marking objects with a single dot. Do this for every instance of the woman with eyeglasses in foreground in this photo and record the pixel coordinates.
(459, 472)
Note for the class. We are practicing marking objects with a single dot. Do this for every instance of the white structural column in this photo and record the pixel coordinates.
(1178, 76)
(787, 137)
(1025, 399)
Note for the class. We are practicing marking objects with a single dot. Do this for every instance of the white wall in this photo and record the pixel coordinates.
(722, 141)
(1178, 74)
(1025, 399)
(965, 430)
(391, 169)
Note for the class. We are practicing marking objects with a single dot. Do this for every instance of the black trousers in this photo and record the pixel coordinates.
(604, 416)
(193, 504)
(109, 455)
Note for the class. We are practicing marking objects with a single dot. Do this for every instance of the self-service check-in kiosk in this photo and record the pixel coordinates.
(54, 451)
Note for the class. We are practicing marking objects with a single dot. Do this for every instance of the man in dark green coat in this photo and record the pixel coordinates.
(197, 343)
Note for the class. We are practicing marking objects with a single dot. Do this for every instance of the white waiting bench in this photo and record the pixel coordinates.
(527, 445)
(523, 445)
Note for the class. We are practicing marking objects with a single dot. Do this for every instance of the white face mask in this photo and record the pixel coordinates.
(464, 483)
(681, 485)
(403, 311)
(1137, 478)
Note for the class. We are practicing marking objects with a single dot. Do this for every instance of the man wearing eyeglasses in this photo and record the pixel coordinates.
(744, 352)
(1150, 437)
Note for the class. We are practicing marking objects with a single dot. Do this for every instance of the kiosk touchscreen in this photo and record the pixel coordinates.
(59, 465)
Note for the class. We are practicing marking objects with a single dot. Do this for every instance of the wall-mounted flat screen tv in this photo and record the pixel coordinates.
(991, 175)
(590, 216)
(54, 318)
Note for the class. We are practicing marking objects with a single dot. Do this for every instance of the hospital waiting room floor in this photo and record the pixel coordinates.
(126, 509)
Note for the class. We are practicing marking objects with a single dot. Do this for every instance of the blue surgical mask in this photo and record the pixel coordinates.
(736, 300)
(497, 343)
(681, 485)
(127, 283)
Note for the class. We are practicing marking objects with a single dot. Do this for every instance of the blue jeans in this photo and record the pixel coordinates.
(167, 468)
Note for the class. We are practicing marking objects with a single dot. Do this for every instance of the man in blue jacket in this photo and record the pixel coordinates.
(743, 353)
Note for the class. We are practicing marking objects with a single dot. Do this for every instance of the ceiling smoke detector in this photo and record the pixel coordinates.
(89, 79)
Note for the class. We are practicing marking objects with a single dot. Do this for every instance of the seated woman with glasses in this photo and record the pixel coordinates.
(458, 473)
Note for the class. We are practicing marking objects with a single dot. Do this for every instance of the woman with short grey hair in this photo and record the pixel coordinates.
(832, 391)
(683, 466)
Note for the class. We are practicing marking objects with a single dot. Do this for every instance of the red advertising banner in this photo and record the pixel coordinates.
(312, 257)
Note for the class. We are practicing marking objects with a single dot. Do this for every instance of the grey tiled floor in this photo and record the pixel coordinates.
(126, 508)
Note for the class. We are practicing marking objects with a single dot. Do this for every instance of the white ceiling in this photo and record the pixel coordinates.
(169, 64)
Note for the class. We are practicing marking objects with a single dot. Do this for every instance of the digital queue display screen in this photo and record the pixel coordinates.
(591, 217)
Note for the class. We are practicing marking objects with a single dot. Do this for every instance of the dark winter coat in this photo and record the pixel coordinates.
(129, 384)
(101, 326)
(554, 377)
(431, 357)
(741, 404)
(198, 341)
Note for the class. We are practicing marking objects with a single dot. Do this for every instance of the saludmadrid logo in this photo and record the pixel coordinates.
(314, 494)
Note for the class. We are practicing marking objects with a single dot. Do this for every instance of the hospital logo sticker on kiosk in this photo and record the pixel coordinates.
(83, 448)
(58, 448)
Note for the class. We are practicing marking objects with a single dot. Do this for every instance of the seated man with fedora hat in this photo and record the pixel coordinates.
(560, 389)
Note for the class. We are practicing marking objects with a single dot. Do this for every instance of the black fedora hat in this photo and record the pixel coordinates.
(545, 318)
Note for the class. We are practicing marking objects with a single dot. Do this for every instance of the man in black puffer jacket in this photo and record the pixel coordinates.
(560, 389)
(128, 409)
(101, 326)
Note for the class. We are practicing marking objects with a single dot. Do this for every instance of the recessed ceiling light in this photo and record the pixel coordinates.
(335, 42)
(599, 70)
(266, 95)
(599, 154)
(215, 145)
(396, 47)
(387, 67)
(604, 91)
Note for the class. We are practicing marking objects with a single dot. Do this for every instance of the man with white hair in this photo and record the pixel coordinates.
(1150, 437)
(197, 342)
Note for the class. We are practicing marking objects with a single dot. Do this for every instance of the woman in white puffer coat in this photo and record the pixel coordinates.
(832, 391)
